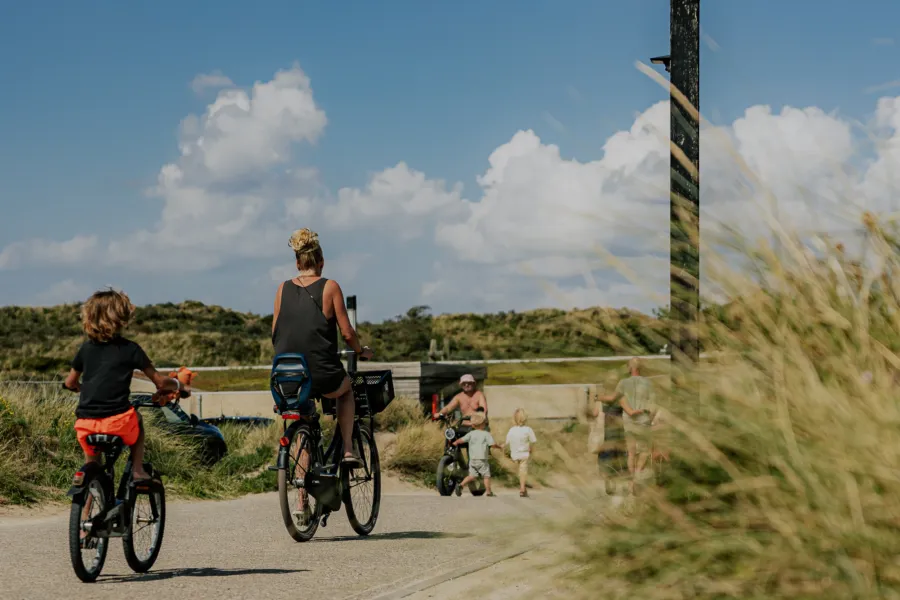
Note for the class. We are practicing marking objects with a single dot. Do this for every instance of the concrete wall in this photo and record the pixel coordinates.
(540, 401)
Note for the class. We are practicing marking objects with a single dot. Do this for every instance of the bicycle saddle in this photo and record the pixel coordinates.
(104, 440)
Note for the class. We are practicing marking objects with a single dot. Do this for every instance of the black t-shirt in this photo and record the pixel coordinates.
(107, 368)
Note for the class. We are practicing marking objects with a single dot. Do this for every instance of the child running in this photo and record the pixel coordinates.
(105, 364)
(480, 442)
(519, 439)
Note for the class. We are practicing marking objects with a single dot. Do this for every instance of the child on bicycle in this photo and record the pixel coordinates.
(105, 364)
(480, 442)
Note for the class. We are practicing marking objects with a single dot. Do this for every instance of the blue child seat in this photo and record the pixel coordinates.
(291, 383)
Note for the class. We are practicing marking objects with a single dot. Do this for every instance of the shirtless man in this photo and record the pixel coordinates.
(469, 401)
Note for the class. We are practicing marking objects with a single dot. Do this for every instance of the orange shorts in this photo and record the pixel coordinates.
(126, 425)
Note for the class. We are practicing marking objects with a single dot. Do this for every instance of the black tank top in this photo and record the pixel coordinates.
(303, 328)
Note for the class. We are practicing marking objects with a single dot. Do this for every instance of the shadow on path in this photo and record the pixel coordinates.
(397, 535)
(194, 572)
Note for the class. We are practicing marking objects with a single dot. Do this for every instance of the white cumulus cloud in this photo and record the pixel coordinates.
(64, 292)
(537, 229)
(213, 80)
(45, 252)
(227, 194)
(403, 195)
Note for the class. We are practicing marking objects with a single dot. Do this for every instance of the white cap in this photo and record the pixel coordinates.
(467, 378)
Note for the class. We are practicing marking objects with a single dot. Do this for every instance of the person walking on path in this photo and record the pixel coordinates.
(520, 438)
(480, 443)
(636, 396)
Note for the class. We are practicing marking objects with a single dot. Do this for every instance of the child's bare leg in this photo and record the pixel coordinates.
(89, 499)
(487, 485)
(137, 454)
(468, 479)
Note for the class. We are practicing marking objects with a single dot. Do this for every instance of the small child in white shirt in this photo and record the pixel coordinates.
(519, 439)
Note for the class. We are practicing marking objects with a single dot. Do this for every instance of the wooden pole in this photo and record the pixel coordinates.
(684, 234)
(351, 314)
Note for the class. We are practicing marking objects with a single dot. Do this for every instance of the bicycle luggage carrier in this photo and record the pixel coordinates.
(373, 391)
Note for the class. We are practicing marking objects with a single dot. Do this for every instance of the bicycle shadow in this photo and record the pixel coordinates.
(397, 535)
(194, 572)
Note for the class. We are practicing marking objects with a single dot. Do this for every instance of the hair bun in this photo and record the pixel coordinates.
(304, 240)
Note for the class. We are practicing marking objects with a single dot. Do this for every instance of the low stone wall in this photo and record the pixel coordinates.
(540, 401)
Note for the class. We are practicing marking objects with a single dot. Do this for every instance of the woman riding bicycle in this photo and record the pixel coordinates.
(308, 311)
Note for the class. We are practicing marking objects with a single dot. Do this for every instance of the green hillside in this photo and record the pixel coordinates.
(37, 340)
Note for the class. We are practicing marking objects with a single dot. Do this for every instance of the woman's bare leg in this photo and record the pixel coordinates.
(346, 410)
(632, 460)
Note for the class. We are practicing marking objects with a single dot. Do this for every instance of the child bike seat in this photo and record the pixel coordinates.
(290, 383)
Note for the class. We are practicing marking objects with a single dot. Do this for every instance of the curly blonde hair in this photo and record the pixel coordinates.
(105, 314)
(305, 244)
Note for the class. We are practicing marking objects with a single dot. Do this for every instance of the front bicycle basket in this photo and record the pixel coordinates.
(374, 390)
(291, 383)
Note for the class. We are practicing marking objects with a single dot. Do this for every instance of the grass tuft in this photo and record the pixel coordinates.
(39, 452)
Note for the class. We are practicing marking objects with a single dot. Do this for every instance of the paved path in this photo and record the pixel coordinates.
(239, 549)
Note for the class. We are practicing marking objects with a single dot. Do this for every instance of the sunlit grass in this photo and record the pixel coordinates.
(39, 452)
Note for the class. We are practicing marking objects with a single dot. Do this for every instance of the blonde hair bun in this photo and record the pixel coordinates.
(304, 240)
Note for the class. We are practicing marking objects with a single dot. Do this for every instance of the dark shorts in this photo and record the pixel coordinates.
(326, 384)
(612, 459)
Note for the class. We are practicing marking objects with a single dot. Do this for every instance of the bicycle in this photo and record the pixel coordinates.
(453, 466)
(315, 474)
(98, 513)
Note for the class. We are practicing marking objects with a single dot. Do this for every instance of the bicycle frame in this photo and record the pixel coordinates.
(113, 519)
(329, 459)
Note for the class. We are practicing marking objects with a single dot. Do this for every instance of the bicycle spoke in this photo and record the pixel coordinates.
(301, 500)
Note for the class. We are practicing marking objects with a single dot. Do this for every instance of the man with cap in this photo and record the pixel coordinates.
(469, 401)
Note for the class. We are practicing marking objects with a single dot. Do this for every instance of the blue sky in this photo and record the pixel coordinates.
(93, 99)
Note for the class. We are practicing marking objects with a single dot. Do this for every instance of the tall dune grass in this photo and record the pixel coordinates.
(784, 480)
(39, 452)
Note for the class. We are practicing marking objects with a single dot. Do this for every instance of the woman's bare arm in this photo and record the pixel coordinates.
(277, 306)
(609, 398)
(343, 319)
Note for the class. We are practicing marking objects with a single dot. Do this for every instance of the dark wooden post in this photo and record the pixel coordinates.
(684, 278)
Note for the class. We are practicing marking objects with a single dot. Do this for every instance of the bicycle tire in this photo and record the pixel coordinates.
(374, 467)
(84, 573)
(136, 563)
(300, 534)
(446, 484)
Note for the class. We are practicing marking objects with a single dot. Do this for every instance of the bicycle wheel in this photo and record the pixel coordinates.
(361, 487)
(143, 537)
(88, 553)
(446, 482)
(300, 511)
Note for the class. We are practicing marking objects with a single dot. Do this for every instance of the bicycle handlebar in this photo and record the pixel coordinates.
(351, 353)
